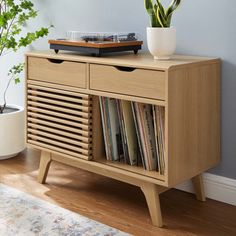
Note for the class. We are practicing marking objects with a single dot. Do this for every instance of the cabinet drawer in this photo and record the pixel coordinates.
(128, 81)
(57, 71)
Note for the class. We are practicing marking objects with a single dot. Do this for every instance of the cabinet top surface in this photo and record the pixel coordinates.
(141, 60)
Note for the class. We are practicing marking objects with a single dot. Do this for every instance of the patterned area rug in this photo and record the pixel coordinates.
(24, 215)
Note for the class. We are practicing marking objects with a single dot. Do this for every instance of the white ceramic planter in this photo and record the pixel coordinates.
(161, 42)
(12, 133)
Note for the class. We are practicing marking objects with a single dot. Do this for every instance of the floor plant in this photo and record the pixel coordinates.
(14, 35)
(14, 16)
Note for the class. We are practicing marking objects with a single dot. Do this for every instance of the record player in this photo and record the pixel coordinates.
(97, 44)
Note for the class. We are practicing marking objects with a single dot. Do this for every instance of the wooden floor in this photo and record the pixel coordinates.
(117, 204)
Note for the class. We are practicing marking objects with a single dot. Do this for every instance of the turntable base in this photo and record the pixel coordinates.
(95, 48)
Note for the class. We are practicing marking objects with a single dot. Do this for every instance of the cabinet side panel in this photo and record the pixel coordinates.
(26, 100)
(193, 120)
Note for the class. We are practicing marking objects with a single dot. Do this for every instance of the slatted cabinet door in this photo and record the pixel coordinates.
(59, 121)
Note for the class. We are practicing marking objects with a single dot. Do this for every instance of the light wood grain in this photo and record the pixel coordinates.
(97, 93)
(125, 173)
(34, 122)
(134, 169)
(188, 87)
(66, 72)
(59, 137)
(151, 192)
(59, 120)
(56, 149)
(58, 114)
(67, 91)
(56, 103)
(58, 127)
(54, 142)
(45, 161)
(59, 97)
(199, 188)
(193, 121)
(59, 109)
(141, 60)
(59, 131)
(140, 83)
(132, 177)
(25, 98)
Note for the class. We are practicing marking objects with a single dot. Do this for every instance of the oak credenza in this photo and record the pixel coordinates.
(64, 121)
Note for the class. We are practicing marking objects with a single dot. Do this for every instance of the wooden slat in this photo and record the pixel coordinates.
(58, 114)
(128, 97)
(134, 169)
(60, 103)
(59, 144)
(65, 92)
(60, 109)
(60, 132)
(59, 120)
(49, 85)
(58, 126)
(83, 101)
(101, 93)
(58, 149)
(59, 138)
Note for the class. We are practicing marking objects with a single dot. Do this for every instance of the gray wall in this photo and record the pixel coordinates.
(204, 27)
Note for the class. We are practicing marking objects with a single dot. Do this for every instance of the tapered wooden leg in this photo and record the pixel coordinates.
(199, 187)
(151, 192)
(45, 162)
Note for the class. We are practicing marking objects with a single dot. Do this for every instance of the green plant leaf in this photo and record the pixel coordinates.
(172, 7)
(160, 6)
(152, 12)
(161, 15)
(15, 72)
(14, 15)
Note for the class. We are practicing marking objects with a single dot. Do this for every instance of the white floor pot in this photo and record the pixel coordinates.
(12, 132)
(161, 42)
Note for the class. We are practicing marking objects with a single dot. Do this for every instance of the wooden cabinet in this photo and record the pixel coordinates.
(64, 121)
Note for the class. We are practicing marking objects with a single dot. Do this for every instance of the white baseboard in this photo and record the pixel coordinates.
(216, 187)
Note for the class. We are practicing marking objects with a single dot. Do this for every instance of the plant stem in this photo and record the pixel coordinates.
(2, 107)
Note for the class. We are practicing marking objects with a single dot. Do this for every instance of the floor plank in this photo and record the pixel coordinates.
(117, 204)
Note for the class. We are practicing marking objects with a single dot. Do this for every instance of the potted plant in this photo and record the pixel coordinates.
(161, 36)
(14, 15)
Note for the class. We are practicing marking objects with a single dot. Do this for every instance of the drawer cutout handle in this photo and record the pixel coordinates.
(56, 61)
(125, 69)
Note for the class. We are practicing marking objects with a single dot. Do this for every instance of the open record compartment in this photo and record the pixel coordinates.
(97, 44)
